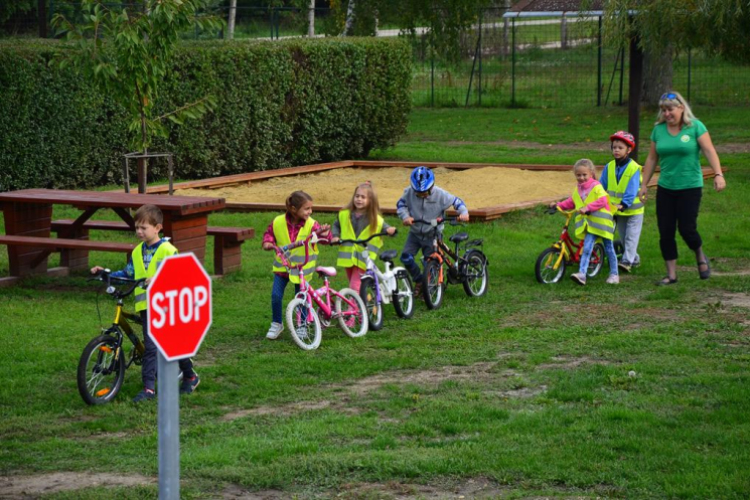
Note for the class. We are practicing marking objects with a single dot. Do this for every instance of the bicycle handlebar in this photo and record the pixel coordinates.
(453, 221)
(283, 252)
(362, 242)
(104, 275)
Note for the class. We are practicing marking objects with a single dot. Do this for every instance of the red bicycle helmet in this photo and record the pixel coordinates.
(623, 136)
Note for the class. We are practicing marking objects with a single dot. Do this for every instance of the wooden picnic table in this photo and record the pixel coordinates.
(28, 213)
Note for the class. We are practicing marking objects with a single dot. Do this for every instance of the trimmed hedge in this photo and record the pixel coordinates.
(279, 104)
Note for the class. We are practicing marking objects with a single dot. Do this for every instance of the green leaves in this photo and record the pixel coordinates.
(127, 54)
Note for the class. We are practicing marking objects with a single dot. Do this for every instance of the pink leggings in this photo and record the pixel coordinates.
(355, 277)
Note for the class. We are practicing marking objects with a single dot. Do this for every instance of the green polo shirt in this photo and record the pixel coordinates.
(679, 156)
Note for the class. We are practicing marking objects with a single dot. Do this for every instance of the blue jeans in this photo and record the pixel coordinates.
(149, 363)
(277, 296)
(588, 246)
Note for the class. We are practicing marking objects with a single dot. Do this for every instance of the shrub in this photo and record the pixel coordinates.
(279, 104)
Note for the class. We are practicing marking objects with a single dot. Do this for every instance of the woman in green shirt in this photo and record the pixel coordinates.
(676, 143)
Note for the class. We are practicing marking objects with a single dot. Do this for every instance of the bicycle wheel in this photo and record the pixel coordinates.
(432, 289)
(304, 324)
(546, 272)
(475, 274)
(597, 260)
(352, 318)
(101, 370)
(369, 296)
(403, 297)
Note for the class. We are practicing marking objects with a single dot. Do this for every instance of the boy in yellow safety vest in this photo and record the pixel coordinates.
(621, 178)
(143, 263)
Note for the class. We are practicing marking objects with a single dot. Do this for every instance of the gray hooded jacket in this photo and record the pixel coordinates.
(429, 208)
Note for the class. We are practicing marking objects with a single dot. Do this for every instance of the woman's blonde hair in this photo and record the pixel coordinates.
(673, 99)
(373, 207)
(586, 163)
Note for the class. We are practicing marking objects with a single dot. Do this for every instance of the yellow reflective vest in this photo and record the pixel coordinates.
(139, 270)
(616, 190)
(350, 255)
(600, 223)
(297, 256)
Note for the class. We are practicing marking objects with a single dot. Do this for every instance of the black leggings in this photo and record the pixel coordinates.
(678, 210)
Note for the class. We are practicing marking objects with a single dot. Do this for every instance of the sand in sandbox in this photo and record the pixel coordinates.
(478, 187)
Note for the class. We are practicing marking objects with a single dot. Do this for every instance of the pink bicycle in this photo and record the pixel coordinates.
(311, 310)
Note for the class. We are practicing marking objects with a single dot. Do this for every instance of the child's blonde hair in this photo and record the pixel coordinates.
(586, 163)
(150, 214)
(674, 99)
(296, 200)
(373, 207)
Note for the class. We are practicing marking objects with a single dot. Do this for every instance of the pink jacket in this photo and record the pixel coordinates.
(584, 190)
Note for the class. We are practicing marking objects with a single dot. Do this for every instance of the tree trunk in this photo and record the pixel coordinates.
(657, 75)
(349, 26)
(310, 19)
(232, 19)
(506, 30)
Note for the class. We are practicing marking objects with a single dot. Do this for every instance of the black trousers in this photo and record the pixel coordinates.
(678, 210)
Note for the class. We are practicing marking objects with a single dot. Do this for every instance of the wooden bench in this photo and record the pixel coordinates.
(48, 245)
(227, 242)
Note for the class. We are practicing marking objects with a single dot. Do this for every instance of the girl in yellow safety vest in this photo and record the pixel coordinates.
(594, 219)
(295, 225)
(359, 220)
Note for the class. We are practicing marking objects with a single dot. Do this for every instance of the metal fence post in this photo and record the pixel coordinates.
(622, 71)
(432, 73)
(481, 18)
(513, 63)
(690, 69)
(599, 66)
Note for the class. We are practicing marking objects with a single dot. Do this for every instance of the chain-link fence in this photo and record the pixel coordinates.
(504, 60)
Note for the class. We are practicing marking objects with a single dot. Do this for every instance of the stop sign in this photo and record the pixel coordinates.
(179, 306)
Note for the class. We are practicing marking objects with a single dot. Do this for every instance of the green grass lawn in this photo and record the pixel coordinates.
(523, 393)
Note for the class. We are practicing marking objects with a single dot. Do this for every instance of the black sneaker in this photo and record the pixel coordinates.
(189, 384)
(144, 395)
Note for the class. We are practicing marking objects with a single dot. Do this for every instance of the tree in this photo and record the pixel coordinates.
(665, 28)
(127, 53)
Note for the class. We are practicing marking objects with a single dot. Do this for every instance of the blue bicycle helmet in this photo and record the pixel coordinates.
(422, 179)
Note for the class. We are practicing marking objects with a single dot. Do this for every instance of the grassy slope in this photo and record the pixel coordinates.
(539, 401)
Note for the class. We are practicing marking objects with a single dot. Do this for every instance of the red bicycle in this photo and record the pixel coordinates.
(551, 264)
(312, 309)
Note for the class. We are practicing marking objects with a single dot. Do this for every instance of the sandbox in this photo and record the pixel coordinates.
(489, 190)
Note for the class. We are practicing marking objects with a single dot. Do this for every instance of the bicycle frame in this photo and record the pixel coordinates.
(569, 249)
(441, 251)
(120, 324)
(320, 297)
(372, 270)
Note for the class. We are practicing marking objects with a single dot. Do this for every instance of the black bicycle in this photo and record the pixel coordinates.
(465, 264)
(101, 369)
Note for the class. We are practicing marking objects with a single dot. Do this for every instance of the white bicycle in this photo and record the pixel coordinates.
(392, 285)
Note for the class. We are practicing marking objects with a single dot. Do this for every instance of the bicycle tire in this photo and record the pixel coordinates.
(403, 297)
(432, 289)
(597, 260)
(369, 296)
(475, 273)
(99, 383)
(353, 325)
(544, 268)
(300, 317)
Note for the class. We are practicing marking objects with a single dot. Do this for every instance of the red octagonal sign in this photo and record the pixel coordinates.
(179, 306)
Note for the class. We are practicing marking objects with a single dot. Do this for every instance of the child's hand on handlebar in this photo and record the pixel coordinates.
(96, 269)
(267, 246)
(408, 221)
(464, 217)
(391, 231)
(335, 240)
(324, 230)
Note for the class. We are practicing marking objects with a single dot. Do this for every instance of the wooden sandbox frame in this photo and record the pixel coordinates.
(476, 214)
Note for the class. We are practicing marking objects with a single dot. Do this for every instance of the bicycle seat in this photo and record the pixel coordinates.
(325, 271)
(388, 255)
(459, 237)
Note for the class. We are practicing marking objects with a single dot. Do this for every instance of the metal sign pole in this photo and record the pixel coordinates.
(169, 429)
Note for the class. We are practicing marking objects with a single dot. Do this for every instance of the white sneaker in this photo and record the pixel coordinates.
(613, 279)
(274, 331)
(579, 278)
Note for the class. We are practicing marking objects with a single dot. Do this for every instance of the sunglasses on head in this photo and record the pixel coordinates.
(669, 95)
